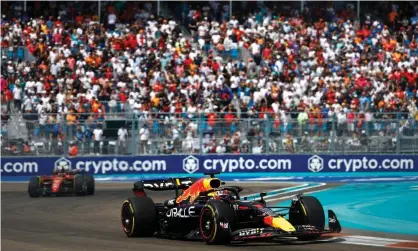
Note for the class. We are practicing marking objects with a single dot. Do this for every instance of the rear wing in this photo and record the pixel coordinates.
(172, 184)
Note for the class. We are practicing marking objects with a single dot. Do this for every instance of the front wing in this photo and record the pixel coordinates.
(46, 189)
(272, 233)
(334, 226)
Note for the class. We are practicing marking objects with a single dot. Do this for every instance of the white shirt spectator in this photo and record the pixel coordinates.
(39, 87)
(144, 134)
(216, 38)
(42, 118)
(17, 93)
(234, 23)
(111, 18)
(39, 107)
(122, 134)
(202, 30)
(341, 118)
(60, 98)
(98, 133)
(255, 48)
(176, 133)
(27, 104)
(220, 149)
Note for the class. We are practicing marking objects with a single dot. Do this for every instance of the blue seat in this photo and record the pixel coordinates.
(20, 53)
(10, 54)
(235, 53)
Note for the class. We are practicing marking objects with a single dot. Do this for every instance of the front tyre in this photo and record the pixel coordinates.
(308, 211)
(216, 220)
(80, 185)
(34, 187)
(90, 184)
(139, 217)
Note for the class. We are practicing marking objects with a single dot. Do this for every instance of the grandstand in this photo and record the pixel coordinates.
(264, 77)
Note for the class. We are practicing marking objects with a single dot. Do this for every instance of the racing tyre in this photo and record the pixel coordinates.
(216, 221)
(90, 184)
(80, 185)
(308, 211)
(34, 187)
(139, 217)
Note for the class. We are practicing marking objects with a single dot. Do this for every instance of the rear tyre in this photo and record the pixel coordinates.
(308, 211)
(216, 221)
(90, 184)
(80, 185)
(34, 187)
(139, 217)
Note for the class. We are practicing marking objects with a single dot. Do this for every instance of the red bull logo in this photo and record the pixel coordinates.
(279, 222)
(202, 185)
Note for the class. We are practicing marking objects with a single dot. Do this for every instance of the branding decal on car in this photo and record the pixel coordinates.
(224, 225)
(181, 212)
(253, 231)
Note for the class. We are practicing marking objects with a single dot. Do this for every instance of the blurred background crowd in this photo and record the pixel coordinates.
(209, 77)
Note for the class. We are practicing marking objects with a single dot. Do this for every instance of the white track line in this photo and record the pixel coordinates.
(376, 238)
(371, 241)
(278, 190)
(362, 244)
(290, 196)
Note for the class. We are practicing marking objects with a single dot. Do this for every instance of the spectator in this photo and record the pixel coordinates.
(111, 20)
(289, 145)
(17, 97)
(72, 150)
(341, 121)
(122, 136)
(98, 136)
(143, 139)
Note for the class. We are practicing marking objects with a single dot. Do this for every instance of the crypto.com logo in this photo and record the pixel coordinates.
(62, 162)
(315, 163)
(190, 164)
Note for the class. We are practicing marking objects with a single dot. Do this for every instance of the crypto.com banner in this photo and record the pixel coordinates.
(22, 166)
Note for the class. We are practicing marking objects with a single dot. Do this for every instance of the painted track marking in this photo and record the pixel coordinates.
(292, 191)
(277, 192)
(371, 241)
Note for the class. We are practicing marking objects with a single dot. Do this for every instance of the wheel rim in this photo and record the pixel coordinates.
(126, 218)
(207, 223)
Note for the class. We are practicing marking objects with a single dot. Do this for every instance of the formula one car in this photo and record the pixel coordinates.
(65, 182)
(207, 209)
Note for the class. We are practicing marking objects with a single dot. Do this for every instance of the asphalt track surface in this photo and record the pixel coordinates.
(93, 223)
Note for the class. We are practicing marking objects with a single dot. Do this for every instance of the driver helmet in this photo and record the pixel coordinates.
(218, 193)
(66, 168)
(63, 166)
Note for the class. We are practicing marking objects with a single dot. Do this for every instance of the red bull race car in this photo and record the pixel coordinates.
(208, 210)
(63, 181)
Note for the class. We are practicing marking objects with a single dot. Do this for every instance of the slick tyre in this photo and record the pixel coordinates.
(90, 184)
(215, 222)
(308, 211)
(34, 187)
(80, 185)
(139, 217)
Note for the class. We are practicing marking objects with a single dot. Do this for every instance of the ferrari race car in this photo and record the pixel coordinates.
(206, 209)
(65, 182)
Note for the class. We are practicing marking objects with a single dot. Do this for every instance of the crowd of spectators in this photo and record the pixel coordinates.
(300, 69)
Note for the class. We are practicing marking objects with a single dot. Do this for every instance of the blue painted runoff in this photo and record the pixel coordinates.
(381, 207)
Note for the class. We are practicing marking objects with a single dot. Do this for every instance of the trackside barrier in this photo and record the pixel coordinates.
(189, 164)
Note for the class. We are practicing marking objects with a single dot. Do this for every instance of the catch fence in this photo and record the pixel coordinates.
(210, 133)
